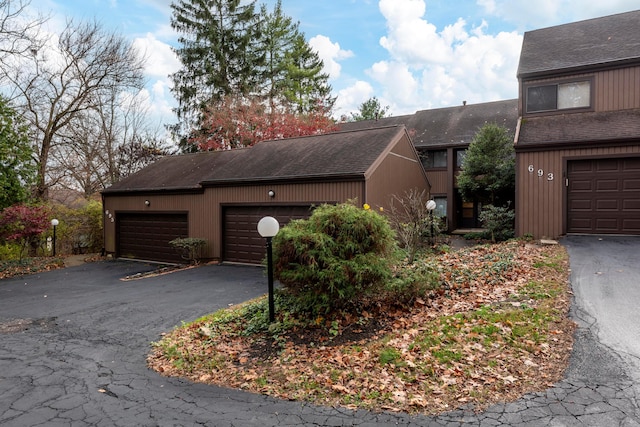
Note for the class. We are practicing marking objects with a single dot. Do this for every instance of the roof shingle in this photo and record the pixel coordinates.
(338, 154)
(451, 125)
(580, 127)
(569, 47)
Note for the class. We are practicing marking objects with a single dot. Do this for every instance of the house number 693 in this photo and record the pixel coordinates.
(532, 169)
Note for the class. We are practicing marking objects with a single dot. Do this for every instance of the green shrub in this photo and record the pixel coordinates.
(412, 281)
(80, 229)
(10, 251)
(190, 248)
(334, 258)
(499, 222)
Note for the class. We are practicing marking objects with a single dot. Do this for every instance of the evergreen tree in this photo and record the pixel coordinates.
(218, 52)
(293, 71)
(370, 110)
(306, 85)
(279, 33)
(17, 169)
(488, 170)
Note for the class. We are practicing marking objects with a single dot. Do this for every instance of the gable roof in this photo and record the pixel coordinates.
(344, 155)
(589, 127)
(584, 44)
(443, 127)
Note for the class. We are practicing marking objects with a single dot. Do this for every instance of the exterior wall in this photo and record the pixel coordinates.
(541, 187)
(399, 172)
(617, 89)
(444, 184)
(205, 210)
(439, 181)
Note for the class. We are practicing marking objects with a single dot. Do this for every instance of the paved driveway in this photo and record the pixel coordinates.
(73, 344)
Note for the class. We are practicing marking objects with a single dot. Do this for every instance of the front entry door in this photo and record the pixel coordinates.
(467, 213)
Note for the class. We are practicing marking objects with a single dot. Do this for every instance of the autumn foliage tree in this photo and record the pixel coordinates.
(23, 224)
(238, 122)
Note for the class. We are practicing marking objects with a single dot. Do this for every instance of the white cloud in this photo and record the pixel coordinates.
(410, 38)
(350, 98)
(160, 59)
(527, 14)
(430, 68)
(330, 53)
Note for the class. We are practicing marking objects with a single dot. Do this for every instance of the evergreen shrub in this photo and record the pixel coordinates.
(334, 258)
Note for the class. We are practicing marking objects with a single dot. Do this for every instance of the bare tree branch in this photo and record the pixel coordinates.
(80, 74)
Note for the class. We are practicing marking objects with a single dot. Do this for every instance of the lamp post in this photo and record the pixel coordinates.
(431, 205)
(269, 227)
(54, 223)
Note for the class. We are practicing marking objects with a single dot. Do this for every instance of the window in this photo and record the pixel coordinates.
(460, 155)
(559, 96)
(441, 206)
(435, 159)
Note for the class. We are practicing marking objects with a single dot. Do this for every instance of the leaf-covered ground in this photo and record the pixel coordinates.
(495, 329)
(14, 268)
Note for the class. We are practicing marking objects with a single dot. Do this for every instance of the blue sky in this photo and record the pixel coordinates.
(411, 54)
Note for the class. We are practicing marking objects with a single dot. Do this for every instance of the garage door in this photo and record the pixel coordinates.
(604, 196)
(242, 243)
(147, 236)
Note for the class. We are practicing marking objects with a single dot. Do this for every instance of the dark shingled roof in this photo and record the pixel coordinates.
(589, 43)
(580, 127)
(449, 126)
(340, 154)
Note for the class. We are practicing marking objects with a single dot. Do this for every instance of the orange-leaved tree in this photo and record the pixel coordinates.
(238, 122)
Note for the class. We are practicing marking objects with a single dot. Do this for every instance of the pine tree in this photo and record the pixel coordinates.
(306, 85)
(293, 70)
(218, 52)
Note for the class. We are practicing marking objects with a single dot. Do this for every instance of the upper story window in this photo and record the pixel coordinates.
(558, 96)
(435, 159)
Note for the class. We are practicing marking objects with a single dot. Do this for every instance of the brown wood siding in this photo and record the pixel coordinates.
(541, 201)
(395, 175)
(439, 181)
(617, 89)
(205, 212)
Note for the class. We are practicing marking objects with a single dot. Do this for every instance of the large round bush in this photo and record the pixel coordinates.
(334, 258)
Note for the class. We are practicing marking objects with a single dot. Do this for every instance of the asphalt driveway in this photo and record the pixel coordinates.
(73, 344)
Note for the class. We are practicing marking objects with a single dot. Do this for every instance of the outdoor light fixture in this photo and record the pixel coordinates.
(272, 193)
(147, 203)
(54, 223)
(268, 227)
(431, 205)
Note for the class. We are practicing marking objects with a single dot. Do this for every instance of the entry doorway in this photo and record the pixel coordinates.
(467, 213)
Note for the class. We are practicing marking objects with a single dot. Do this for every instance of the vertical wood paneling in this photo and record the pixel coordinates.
(540, 203)
(617, 89)
(395, 175)
(439, 182)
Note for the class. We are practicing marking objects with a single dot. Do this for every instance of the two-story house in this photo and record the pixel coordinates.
(578, 137)
(441, 137)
